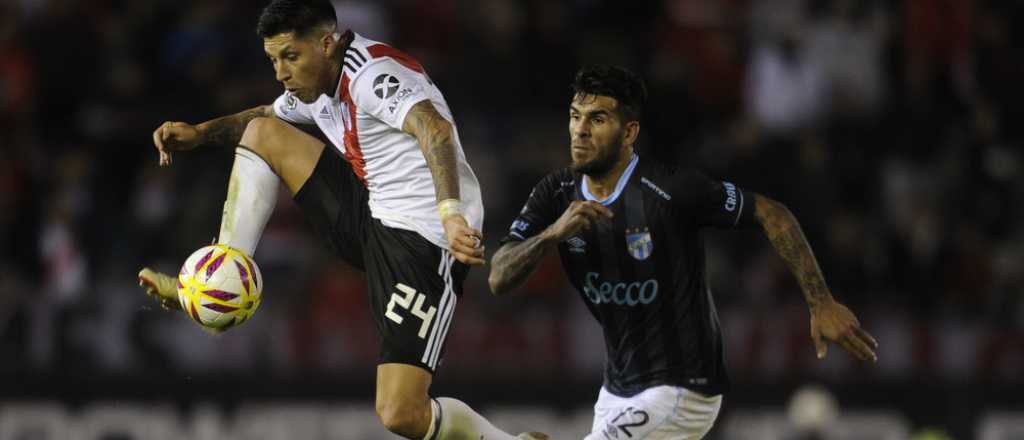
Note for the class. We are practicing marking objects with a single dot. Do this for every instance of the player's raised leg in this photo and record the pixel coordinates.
(269, 148)
(291, 153)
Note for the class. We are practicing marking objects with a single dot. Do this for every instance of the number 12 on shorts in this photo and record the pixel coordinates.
(406, 302)
(628, 418)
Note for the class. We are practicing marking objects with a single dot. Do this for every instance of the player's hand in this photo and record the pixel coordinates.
(580, 215)
(464, 242)
(175, 136)
(832, 321)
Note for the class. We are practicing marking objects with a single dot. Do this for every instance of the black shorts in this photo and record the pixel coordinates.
(413, 284)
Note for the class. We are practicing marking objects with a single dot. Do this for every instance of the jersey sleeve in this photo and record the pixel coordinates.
(387, 90)
(537, 214)
(712, 202)
(289, 108)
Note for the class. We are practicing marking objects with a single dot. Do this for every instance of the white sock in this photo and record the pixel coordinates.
(435, 419)
(252, 193)
(455, 420)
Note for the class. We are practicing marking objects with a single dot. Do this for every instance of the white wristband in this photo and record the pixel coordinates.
(449, 207)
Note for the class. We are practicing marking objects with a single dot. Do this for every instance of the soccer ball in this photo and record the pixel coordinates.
(219, 287)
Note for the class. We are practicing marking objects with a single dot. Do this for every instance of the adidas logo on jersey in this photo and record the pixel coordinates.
(325, 113)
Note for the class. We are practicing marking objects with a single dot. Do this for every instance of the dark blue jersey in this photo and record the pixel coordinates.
(642, 273)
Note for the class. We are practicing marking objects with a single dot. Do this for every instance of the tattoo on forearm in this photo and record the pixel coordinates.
(513, 263)
(435, 136)
(788, 239)
(227, 131)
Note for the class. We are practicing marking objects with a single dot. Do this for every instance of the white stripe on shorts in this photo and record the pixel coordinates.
(444, 271)
(446, 317)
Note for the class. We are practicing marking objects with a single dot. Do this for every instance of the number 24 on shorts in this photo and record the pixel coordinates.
(427, 316)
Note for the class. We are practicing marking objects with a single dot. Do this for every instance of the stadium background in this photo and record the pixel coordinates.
(886, 127)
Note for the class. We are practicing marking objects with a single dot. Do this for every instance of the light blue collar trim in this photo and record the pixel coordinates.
(623, 179)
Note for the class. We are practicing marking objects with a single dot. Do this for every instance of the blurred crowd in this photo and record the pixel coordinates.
(885, 126)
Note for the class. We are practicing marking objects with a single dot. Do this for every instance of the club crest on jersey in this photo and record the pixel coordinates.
(638, 242)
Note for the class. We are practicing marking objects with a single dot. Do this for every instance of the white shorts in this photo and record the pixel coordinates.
(662, 412)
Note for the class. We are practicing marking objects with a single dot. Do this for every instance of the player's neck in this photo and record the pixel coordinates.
(602, 186)
(337, 59)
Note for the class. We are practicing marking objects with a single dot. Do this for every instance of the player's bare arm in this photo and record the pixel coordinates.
(224, 131)
(514, 262)
(830, 320)
(434, 133)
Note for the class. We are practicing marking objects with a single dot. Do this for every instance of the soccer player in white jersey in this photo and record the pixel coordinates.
(405, 207)
(628, 231)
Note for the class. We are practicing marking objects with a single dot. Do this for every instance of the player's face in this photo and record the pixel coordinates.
(597, 133)
(301, 64)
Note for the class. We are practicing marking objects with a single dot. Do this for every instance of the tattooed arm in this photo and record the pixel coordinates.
(830, 320)
(224, 131)
(435, 137)
(227, 131)
(788, 239)
(514, 262)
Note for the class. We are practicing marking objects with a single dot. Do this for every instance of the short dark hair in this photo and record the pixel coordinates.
(626, 87)
(299, 16)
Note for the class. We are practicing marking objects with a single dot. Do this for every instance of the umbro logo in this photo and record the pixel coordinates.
(385, 86)
(577, 244)
(656, 189)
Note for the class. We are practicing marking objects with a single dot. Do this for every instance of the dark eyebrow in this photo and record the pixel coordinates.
(284, 50)
(599, 112)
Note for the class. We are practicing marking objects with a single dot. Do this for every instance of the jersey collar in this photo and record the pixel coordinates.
(623, 179)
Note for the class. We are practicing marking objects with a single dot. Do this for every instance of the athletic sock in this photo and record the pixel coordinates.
(252, 194)
(454, 420)
(435, 420)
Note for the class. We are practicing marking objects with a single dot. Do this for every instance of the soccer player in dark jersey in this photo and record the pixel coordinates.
(628, 231)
